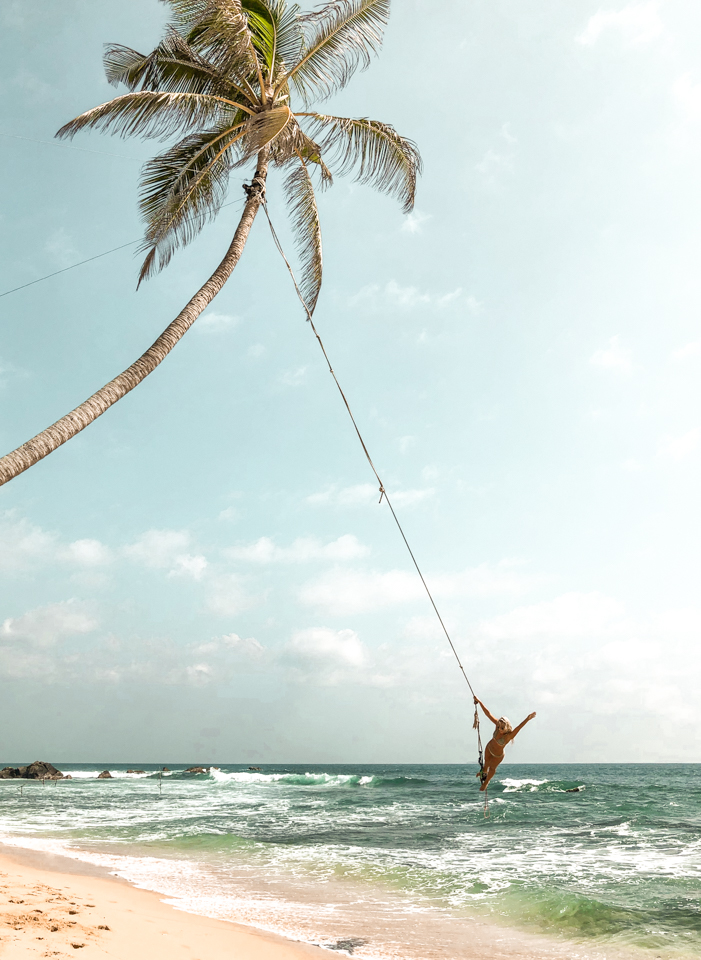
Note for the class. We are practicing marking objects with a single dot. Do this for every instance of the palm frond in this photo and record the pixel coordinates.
(374, 151)
(293, 142)
(149, 114)
(184, 187)
(304, 216)
(339, 38)
(265, 127)
(277, 33)
(188, 13)
(221, 34)
(181, 190)
(173, 67)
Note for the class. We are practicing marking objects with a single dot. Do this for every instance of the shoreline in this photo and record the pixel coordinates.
(55, 905)
(67, 904)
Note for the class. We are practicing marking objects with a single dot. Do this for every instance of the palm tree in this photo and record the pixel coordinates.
(222, 81)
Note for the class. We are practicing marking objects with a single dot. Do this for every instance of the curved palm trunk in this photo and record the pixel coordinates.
(48, 440)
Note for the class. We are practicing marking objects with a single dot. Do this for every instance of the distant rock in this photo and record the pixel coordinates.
(105, 775)
(39, 770)
(254, 768)
(196, 770)
(166, 770)
(136, 771)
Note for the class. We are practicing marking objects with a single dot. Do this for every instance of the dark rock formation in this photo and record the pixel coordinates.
(254, 768)
(105, 775)
(166, 770)
(196, 770)
(39, 770)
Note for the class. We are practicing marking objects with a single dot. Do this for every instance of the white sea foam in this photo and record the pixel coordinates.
(511, 786)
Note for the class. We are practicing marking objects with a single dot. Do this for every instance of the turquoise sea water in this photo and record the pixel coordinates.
(393, 861)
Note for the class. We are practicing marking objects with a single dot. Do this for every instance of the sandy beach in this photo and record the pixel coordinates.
(48, 909)
(53, 906)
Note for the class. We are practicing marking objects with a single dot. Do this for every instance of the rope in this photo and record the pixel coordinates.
(80, 262)
(383, 491)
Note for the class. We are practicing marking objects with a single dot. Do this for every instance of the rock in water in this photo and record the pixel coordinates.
(196, 770)
(39, 770)
(105, 775)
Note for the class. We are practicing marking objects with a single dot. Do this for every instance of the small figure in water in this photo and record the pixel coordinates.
(494, 751)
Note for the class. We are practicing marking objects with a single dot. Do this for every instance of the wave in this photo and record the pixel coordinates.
(114, 774)
(542, 786)
(310, 779)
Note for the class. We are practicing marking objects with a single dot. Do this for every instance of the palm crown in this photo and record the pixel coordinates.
(222, 81)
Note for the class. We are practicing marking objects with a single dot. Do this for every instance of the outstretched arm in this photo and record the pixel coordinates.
(522, 725)
(486, 712)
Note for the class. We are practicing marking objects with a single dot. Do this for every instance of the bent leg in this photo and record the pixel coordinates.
(490, 768)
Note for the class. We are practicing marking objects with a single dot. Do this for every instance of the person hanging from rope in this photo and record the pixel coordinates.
(494, 751)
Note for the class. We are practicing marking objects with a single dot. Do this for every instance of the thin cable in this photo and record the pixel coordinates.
(89, 259)
(383, 492)
(72, 267)
(68, 146)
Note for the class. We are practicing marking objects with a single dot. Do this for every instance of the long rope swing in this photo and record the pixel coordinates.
(383, 492)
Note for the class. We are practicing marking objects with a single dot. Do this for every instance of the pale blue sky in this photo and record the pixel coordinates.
(205, 572)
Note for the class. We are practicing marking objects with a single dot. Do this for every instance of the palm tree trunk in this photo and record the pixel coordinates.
(44, 443)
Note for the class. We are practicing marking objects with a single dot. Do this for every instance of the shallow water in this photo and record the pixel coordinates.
(391, 861)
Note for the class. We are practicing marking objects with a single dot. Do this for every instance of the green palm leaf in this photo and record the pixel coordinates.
(222, 35)
(173, 67)
(339, 38)
(375, 151)
(299, 191)
(183, 188)
(149, 114)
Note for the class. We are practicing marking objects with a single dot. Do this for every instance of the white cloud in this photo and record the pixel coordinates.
(60, 248)
(494, 163)
(199, 673)
(637, 24)
(413, 222)
(212, 322)
(86, 553)
(248, 646)
(405, 443)
(227, 596)
(341, 592)
(320, 643)
(690, 351)
(571, 615)
(256, 350)
(410, 498)
(167, 549)
(302, 550)
(363, 494)
(615, 357)
(394, 295)
(294, 378)
(327, 657)
(45, 626)
(679, 448)
(687, 95)
(23, 544)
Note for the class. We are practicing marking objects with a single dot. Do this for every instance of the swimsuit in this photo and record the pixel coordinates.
(500, 742)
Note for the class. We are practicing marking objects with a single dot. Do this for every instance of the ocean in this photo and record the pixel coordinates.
(395, 861)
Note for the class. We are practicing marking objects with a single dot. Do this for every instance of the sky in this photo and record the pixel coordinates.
(205, 573)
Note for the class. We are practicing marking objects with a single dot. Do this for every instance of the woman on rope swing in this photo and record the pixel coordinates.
(494, 751)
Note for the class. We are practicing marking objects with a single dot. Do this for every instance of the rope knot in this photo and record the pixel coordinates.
(255, 189)
(382, 493)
